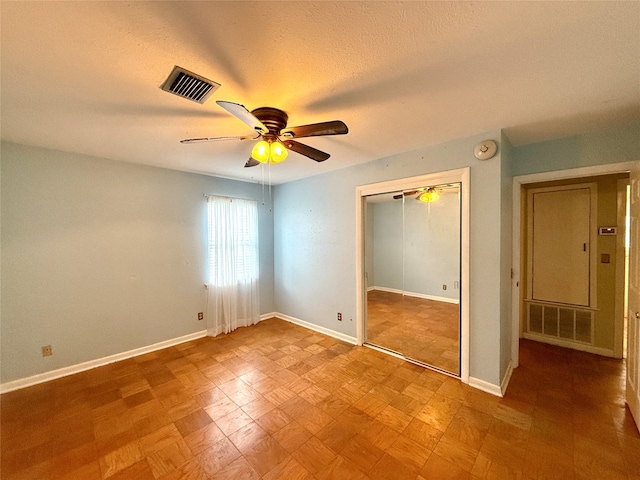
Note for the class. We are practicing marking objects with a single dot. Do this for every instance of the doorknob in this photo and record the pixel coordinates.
(637, 315)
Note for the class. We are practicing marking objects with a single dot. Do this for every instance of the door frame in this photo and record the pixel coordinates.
(451, 176)
(621, 274)
(518, 186)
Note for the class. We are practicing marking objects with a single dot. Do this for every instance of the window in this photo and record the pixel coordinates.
(233, 241)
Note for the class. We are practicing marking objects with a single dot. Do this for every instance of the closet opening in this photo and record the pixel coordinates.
(413, 269)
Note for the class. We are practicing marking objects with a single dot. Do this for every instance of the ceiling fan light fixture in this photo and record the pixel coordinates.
(278, 152)
(269, 124)
(269, 152)
(428, 196)
(261, 151)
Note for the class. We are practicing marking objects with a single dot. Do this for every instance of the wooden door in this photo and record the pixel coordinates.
(633, 349)
(560, 244)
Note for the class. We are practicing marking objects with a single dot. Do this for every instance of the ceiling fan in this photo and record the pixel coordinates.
(270, 125)
(429, 194)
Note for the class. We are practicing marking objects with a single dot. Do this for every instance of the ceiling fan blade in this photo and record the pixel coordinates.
(252, 162)
(217, 139)
(334, 127)
(241, 112)
(405, 194)
(306, 150)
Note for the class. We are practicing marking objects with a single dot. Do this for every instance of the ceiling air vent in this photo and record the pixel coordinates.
(189, 85)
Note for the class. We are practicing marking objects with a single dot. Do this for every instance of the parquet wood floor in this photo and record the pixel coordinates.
(277, 401)
(421, 329)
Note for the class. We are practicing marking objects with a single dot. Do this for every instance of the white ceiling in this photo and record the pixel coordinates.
(84, 76)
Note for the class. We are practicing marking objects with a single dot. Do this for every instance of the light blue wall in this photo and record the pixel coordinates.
(315, 243)
(386, 244)
(102, 257)
(432, 246)
(621, 144)
(417, 246)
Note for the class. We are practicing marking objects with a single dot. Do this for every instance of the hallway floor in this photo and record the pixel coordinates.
(277, 401)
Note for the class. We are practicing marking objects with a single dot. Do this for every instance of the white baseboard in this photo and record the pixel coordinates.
(214, 332)
(605, 352)
(81, 367)
(496, 390)
(99, 362)
(317, 328)
(485, 386)
(506, 379)
(416, 295)
(386, 289)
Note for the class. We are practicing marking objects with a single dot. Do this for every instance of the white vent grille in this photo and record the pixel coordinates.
(562, 322)
(189, 85)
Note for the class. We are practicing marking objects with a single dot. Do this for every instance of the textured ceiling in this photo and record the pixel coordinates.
(84, 76)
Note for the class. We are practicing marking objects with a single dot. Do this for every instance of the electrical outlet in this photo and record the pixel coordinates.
(339, 317)
(47, 351)
(444, 287)
(200, 316)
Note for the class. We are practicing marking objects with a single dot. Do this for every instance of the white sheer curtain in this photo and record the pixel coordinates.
(233, 299)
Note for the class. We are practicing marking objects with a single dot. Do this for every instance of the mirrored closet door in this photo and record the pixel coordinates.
(412, 274)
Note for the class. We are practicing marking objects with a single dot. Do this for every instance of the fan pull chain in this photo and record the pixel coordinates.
(270, 201)
(262, 181)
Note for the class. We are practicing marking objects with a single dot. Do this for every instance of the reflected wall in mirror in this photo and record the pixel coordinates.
(412, 274)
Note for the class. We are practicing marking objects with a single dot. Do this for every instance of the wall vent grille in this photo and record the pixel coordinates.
(189, 85)
(562, 322)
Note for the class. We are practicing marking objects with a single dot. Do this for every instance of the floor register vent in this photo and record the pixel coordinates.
(567, 323)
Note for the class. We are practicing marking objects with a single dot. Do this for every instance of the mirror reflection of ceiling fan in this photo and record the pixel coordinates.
(429, 194)
(270, 125)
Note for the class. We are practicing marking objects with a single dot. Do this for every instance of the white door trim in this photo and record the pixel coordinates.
(618, 326)
(451, 176)
(518, 182)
